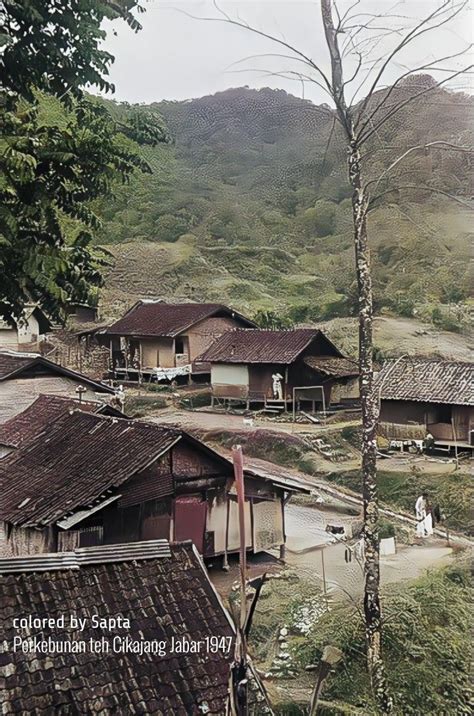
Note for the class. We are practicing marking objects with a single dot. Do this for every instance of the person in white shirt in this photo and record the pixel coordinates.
(420, 512)
(424, 527)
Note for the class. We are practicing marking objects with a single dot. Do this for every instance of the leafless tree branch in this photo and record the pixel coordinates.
(421, 147)
(238, 23)
(420, 28)
(364, 137)
(423, 187)
(395, 85)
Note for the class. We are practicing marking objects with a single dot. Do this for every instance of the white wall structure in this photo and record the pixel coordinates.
(25, 333)
(229, 374)
(17, 394)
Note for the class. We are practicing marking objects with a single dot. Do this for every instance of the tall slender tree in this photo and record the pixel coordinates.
(354, 35)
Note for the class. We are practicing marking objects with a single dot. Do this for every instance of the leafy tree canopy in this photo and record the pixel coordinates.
(55, 46)
(51, 170)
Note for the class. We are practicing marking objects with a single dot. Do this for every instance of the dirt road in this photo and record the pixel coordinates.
(207, 420)
(308, 544)
(347, 578)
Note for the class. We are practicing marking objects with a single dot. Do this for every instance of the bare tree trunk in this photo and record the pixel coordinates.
(369, 406)
(359, 121)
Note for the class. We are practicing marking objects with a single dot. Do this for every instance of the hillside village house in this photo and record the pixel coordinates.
(87, 479)
(25, 376)
(162, 340)
(150, 595)
(422, 395)
(27, 333)
(280, 368)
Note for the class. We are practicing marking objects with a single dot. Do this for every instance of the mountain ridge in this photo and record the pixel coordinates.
(251, 206)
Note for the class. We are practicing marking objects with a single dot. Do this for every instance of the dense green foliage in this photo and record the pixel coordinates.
(453, 492)
(55, 47)
(426, 644)
(53, 164)
(250, 205)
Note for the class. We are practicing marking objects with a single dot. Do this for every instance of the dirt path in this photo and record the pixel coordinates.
(347, 578)
(307, 539)
(204, 420)
(308, 545)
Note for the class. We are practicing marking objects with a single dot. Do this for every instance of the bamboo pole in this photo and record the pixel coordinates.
(240, 703)
(239, 481)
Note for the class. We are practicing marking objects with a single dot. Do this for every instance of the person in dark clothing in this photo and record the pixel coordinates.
(437, 516)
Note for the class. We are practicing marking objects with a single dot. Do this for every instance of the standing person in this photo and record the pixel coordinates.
(277, 386)
(420, 512)
(429, 519)
(437, 516)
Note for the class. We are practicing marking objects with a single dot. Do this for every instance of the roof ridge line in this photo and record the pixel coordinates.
(84, 556)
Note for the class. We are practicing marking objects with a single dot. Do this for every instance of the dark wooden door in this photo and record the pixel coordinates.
(190, 520)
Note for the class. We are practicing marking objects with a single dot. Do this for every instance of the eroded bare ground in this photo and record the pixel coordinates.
(396, 336)
(210, 426)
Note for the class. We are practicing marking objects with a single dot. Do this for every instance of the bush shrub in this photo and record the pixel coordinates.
(426, 642)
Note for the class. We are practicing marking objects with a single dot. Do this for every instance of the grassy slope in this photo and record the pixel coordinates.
(426, 647)
(239, 184)
(453, 492)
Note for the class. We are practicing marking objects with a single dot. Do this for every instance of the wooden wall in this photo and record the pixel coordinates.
(186, 494)
(157, 352)
(15, 541)
(437, 418)
(202, 334)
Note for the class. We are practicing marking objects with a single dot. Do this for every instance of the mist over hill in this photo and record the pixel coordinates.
(250, 205)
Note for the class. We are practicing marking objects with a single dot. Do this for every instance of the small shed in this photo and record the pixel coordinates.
(82, 312)
(162, 340)
(280, 368)
(427, 395)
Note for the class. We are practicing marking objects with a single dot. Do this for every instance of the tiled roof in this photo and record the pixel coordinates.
(44, 411)
(13, 364)
(259, 346)
(155, 318)
(11, 361)
(74, 462)
(334, 367)
(427, 380)
(163, 597)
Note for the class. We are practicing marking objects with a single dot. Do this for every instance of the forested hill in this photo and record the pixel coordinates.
(250, 205)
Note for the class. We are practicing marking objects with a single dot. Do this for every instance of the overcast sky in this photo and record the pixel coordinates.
(177, 57)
